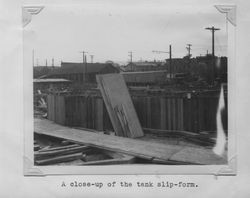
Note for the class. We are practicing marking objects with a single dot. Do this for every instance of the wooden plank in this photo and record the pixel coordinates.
(59, 159)
(52, 109)
(60, 107)
(156, 112)
(148, 107)
(45, 154)
(119, 105)
(169, 127)
(173, 114)
(135, 147)
(163, 113)
(45, 149)
(181, 114)
(49, 107)
(99, 114)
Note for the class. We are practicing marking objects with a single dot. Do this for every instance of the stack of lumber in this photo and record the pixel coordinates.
(47, 155)
(36, 146)
(119, 105)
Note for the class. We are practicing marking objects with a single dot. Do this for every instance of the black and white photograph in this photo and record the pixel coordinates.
(121, 85)
(124, 98)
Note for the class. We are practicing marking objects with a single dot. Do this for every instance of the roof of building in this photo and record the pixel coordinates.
(145, 63)
(50, 80)
(144, 72)
(68, 67)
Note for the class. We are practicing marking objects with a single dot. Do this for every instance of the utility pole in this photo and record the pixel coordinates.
(52, 62)
(92, 58)
(189, 50)
(213, 29)
(170, 57)
(86, 67)
(83, 56)
(83, 61)
(187, 67)
(170, 60)
(131, 56)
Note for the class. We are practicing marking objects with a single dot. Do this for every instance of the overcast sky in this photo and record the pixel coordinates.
(109, 32)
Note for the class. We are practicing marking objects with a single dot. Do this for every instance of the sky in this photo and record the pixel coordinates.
(110, 31)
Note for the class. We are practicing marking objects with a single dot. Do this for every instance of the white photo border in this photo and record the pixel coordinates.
(29, 169)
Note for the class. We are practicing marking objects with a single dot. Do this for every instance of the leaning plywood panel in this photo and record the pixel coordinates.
(119, 105)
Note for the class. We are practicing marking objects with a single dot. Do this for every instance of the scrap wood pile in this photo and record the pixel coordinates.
(76, 154)
(52, 155)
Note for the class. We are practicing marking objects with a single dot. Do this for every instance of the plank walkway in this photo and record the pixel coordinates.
(135, 147)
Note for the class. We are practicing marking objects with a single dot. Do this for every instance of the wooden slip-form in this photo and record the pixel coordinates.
(135, 147)
(119, 105)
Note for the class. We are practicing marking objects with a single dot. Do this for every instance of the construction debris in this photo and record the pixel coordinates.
(75, 154)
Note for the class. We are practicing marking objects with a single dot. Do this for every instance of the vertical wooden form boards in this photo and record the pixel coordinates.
(99, 114)
(148, 107)
(61, 110)
(169, 126)
(163, 113)
(49, 107)
(155, 113)
(119, 105)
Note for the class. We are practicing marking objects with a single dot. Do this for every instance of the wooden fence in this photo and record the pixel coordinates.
(195, 113)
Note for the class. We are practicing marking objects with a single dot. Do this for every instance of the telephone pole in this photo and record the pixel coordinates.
(92, 58)
(213, 29)
(52, 62)
(85, 68)
(189, 50)
(170, 57)
(170, 60)
(131, 56)
(83, 56)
